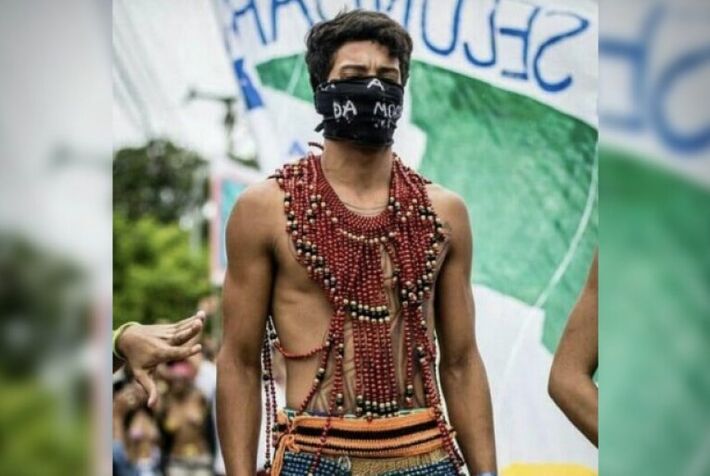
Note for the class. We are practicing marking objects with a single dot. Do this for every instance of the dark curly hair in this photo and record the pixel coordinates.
(325, 38)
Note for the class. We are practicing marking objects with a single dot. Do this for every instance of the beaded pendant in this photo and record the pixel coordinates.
(342, 252)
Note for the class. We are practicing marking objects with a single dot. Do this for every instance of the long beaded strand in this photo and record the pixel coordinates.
(269, 391)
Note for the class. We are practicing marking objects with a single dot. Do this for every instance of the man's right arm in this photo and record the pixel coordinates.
(245, 304)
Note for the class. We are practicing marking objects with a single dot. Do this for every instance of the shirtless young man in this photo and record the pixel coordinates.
(358, 270)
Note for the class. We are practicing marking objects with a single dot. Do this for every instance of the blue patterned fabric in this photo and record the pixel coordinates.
(298, 464)
(440, 468)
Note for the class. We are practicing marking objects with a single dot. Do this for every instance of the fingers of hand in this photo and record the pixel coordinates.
(179, 353)
(148, 385)
(188, 322)
(184, 335)
(137, 391)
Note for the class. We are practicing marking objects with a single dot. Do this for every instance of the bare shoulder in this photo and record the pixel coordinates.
(261, 196)
(258, 211)
(452, 210)
(448, 205)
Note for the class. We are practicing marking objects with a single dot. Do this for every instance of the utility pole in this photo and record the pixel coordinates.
(229, 122)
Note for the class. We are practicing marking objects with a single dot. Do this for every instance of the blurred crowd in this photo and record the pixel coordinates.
(164, 399)
(177, 436)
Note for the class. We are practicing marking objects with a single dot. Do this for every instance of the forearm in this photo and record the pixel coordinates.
(468, 401)
(578, 397)
(238, 414)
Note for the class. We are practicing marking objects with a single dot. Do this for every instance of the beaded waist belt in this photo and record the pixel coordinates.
(399, 436)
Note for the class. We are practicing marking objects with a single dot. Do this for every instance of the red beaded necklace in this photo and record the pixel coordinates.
(341, 251)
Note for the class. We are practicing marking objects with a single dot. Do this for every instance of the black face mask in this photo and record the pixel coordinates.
(363, 110)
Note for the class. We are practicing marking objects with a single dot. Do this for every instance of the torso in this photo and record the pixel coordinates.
(302, 313)
(185, 418)
(143, 437)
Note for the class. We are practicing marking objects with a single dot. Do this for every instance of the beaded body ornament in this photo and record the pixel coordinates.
(341, 251)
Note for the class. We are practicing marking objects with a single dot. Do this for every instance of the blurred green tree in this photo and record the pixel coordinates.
(159, 179)
(38, 437)
(44, 323)
(43, 305)
(160, 269)
(156, 274)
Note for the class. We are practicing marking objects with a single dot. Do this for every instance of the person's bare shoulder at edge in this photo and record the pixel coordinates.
(449, 207)
(259, 208)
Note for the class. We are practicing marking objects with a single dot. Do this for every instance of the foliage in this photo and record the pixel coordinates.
(43, 323)
(36, 439)
(156, 274)
(158, 179)
(43, 306)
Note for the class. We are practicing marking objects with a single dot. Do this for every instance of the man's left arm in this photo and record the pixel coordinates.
(462, 373)
(571, 383)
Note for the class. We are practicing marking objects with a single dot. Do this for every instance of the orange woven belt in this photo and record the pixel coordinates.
(402, 436)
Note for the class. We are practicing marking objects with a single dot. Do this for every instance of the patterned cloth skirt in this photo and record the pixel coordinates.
(407, 444)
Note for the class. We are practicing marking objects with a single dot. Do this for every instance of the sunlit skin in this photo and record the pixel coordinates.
(571, 385)
(183, 409)
(139, 436)
(144, 347)
(184, 418)
(142, 437)
(263, 278)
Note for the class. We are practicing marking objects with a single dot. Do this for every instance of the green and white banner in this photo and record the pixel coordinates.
(501, 108)
(655, 197)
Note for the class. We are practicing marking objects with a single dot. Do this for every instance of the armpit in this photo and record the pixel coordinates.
(446, 244)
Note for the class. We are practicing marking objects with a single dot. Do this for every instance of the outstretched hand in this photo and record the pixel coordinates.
(146, 346)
